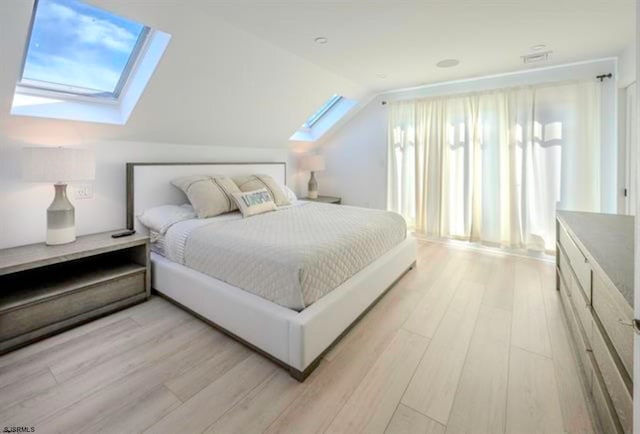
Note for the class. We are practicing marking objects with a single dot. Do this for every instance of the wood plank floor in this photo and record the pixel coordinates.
(466, 342)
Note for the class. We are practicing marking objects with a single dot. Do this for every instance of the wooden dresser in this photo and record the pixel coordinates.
(595, 280)
(48, 289)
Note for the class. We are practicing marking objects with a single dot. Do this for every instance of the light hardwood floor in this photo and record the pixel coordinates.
(465, 342)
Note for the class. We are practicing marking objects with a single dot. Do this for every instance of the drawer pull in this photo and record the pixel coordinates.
(625, 323)
(636, 326)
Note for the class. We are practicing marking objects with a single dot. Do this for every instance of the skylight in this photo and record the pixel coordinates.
(85, 64)
(322, 111)
(324, 119)
(79, 49)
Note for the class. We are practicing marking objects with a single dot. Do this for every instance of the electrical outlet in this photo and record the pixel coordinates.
(84, 191)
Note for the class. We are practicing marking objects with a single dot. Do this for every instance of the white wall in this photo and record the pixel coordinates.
(23, 215)
(356, 153)
(626, 77)
(627, 65)
(356, 159)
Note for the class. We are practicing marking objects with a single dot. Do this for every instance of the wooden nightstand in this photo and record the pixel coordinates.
(47, 289)
(326, 199)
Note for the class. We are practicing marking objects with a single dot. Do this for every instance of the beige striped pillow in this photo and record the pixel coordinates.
(210, 195)
(257, 182)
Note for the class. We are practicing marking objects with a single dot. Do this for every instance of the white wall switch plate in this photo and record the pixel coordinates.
(83, 191)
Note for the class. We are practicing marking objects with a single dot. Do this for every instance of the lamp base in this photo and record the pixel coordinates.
(61, 228)
(61, 236)
(312, 187)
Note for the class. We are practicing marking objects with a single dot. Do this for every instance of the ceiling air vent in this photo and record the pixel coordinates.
(536, 57)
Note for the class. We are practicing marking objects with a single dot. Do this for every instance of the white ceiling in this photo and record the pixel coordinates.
(405, 39)
(247, 72)
(215, 85)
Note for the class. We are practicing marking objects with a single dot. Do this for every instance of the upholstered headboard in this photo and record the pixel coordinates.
(149, 184)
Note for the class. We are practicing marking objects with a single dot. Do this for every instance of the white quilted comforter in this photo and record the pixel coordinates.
(293, 256)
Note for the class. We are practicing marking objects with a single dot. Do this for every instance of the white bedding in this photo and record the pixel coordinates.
(292, 256)
(171, 245)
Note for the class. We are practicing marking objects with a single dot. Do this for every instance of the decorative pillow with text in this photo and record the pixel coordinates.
(257, 182)
(254, 202)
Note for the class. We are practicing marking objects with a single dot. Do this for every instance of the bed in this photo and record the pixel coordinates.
(297, 301)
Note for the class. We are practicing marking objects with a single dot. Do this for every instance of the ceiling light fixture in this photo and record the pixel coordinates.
(448, 63)
(321, 40)
(536, 57)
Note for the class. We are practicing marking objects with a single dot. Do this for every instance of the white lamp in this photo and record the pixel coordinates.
(59, 165)
(313, 163)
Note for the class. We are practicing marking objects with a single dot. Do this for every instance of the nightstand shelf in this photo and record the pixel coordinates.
(47, 289)
(326, 199)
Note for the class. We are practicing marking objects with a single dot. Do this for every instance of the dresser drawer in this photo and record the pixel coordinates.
(581, 306)
(30, 317)
(563, 262)
(579, 303)
(577, 333)
(616, 317)
(603, 405)
(578, 261)
(615, 380)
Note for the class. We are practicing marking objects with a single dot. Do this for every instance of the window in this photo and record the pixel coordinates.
(324, 119)
(493, 166)
(322, 111)
(85, 64)
(78, 49)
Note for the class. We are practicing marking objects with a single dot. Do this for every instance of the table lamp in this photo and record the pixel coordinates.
(59, 165)
(313, 163)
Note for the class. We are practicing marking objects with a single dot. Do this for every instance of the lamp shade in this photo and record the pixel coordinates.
(58, 164)
(313, 163)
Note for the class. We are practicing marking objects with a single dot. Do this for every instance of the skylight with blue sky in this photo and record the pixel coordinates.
(78, 48)
(326, 107)
(83, 63)
(324, 119)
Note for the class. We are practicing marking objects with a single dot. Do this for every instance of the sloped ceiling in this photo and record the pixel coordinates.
(247, 72)
(404, 40)
(216, 84)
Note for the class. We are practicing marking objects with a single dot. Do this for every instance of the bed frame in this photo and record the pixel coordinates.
(295, 340)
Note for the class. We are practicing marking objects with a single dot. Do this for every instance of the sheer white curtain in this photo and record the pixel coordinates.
(492, 167)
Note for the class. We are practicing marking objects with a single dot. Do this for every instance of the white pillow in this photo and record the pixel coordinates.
(160, 218)
(291, 196)
(254, 202)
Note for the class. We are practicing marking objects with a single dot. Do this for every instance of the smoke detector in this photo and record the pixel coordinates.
(536, 57)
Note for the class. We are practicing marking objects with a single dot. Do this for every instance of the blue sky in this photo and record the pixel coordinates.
(76, 44)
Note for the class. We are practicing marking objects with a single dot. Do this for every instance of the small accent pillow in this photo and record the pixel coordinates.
(160, 218)
(209, 195)
(254, 202)
(256, 182)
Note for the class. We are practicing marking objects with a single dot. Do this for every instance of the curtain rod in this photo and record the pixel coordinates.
(598, 77)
